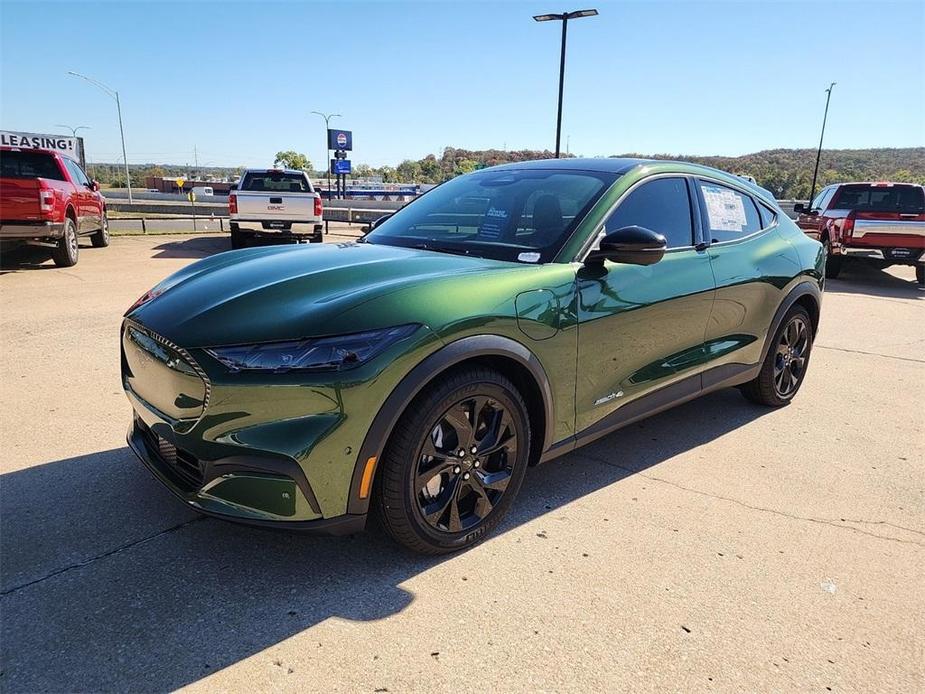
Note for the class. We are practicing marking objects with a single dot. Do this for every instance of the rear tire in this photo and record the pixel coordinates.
(920, 275)
(66, 252)
(445, 500)
(833, 263)
(785, 365)
(238, 239)
(100, 239)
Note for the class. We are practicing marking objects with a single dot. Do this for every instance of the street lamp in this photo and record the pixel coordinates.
(327, 118)
(563, 17)
(828, 95)
(73, 130)
(115, 95)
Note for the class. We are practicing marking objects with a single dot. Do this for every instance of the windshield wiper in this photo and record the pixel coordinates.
(428, 246)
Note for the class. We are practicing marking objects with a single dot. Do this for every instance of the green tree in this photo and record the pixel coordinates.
(292, 160)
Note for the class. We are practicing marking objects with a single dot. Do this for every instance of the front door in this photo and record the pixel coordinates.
(641, 328)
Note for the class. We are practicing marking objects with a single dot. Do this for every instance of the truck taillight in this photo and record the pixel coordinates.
(318, 206)
(46, 200)
(233, 204)
(847, 228)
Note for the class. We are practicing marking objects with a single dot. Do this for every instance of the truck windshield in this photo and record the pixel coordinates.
(29, 165)
(519, 215)
(881, 198)
(276, 182)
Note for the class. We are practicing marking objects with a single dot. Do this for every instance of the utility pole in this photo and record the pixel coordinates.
(562, 17)
(828, 95)
(327, 152)
(115, 95)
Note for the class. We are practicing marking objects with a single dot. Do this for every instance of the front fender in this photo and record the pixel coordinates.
(454, 353)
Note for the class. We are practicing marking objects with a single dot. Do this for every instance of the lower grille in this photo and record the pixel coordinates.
(180, 461)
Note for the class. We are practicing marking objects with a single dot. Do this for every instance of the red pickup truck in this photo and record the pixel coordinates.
(46, 199)
(881, 223)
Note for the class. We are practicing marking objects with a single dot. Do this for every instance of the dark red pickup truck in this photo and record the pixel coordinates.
(881, 223)
(46, 199)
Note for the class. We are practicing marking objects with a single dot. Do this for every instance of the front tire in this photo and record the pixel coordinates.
(920, 275)
(100, 239)
(785, 366)
(66, 252)
(238, 238)
(454, 462)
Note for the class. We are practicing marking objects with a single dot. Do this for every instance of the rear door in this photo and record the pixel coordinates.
(812, 221)
(642, 327)
(752, 264)
(89, 210)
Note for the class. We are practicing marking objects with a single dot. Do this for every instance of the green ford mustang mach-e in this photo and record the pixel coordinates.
(502, 319)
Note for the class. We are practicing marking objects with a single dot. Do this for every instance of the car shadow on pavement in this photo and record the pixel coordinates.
(194, 247)
(28, 257)
(109, 582)
(863, 278)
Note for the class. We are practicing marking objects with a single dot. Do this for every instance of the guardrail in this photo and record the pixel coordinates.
(151, 223)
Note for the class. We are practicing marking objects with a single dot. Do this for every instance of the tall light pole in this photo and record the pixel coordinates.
(115, 95)
(73, 130)
(828, 95)
(327, 164)
(562, 17)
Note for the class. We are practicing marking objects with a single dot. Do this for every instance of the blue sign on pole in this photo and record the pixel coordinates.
(340, 139)
(340, 166)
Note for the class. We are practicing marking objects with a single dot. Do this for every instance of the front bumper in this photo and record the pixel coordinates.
(251, 490)
(27, 231)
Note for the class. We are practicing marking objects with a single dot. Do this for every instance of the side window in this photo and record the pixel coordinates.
(662, 205)
(730, 214)
(817, 201)
(823, 199)
(76, 172)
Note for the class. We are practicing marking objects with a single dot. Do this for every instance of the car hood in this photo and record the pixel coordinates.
(286, 292)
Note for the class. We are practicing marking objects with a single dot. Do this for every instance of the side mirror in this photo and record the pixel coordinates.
(631, 245)
(95, 186)
(799, 208)
(379, 221)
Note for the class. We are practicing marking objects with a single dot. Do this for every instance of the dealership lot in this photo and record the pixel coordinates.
(717, 546)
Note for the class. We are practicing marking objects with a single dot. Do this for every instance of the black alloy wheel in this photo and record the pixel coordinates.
(465, 464)
(790, 359)
(454, 462)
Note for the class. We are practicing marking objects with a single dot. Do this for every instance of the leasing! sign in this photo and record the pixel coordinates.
(72, 147)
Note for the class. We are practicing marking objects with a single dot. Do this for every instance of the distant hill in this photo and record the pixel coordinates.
(785, 172)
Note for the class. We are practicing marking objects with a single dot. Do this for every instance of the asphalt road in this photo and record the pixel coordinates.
(720, 546)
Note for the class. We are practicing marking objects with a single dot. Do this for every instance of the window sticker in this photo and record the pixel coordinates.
(493, 223)
(725, 208)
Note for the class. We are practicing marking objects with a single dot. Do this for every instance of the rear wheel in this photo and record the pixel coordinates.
(454, 463)
(920, 275)
(100, 239)
(833, 263)
(238, 238)
(785, 366)
(66, 252)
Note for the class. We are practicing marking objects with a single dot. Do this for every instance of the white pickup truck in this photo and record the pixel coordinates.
(274, 203)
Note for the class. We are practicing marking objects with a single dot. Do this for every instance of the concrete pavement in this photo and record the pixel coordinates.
(716, 547)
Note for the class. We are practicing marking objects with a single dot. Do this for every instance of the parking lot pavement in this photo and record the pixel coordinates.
(718, 546)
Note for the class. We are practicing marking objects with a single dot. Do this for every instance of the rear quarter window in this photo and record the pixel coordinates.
(29, 165)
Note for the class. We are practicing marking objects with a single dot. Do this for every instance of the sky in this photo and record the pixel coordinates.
(237, 81)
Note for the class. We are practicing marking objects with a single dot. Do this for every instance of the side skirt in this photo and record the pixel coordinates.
(663, 399)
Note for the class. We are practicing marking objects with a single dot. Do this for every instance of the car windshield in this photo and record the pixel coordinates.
(521, 215)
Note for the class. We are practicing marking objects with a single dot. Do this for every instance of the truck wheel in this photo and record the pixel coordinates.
(785, 366)
(238, 239)
(833, 263)
(100, 239)
(920, 275)
(65, 253)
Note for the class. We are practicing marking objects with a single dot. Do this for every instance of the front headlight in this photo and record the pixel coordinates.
(321, 353)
